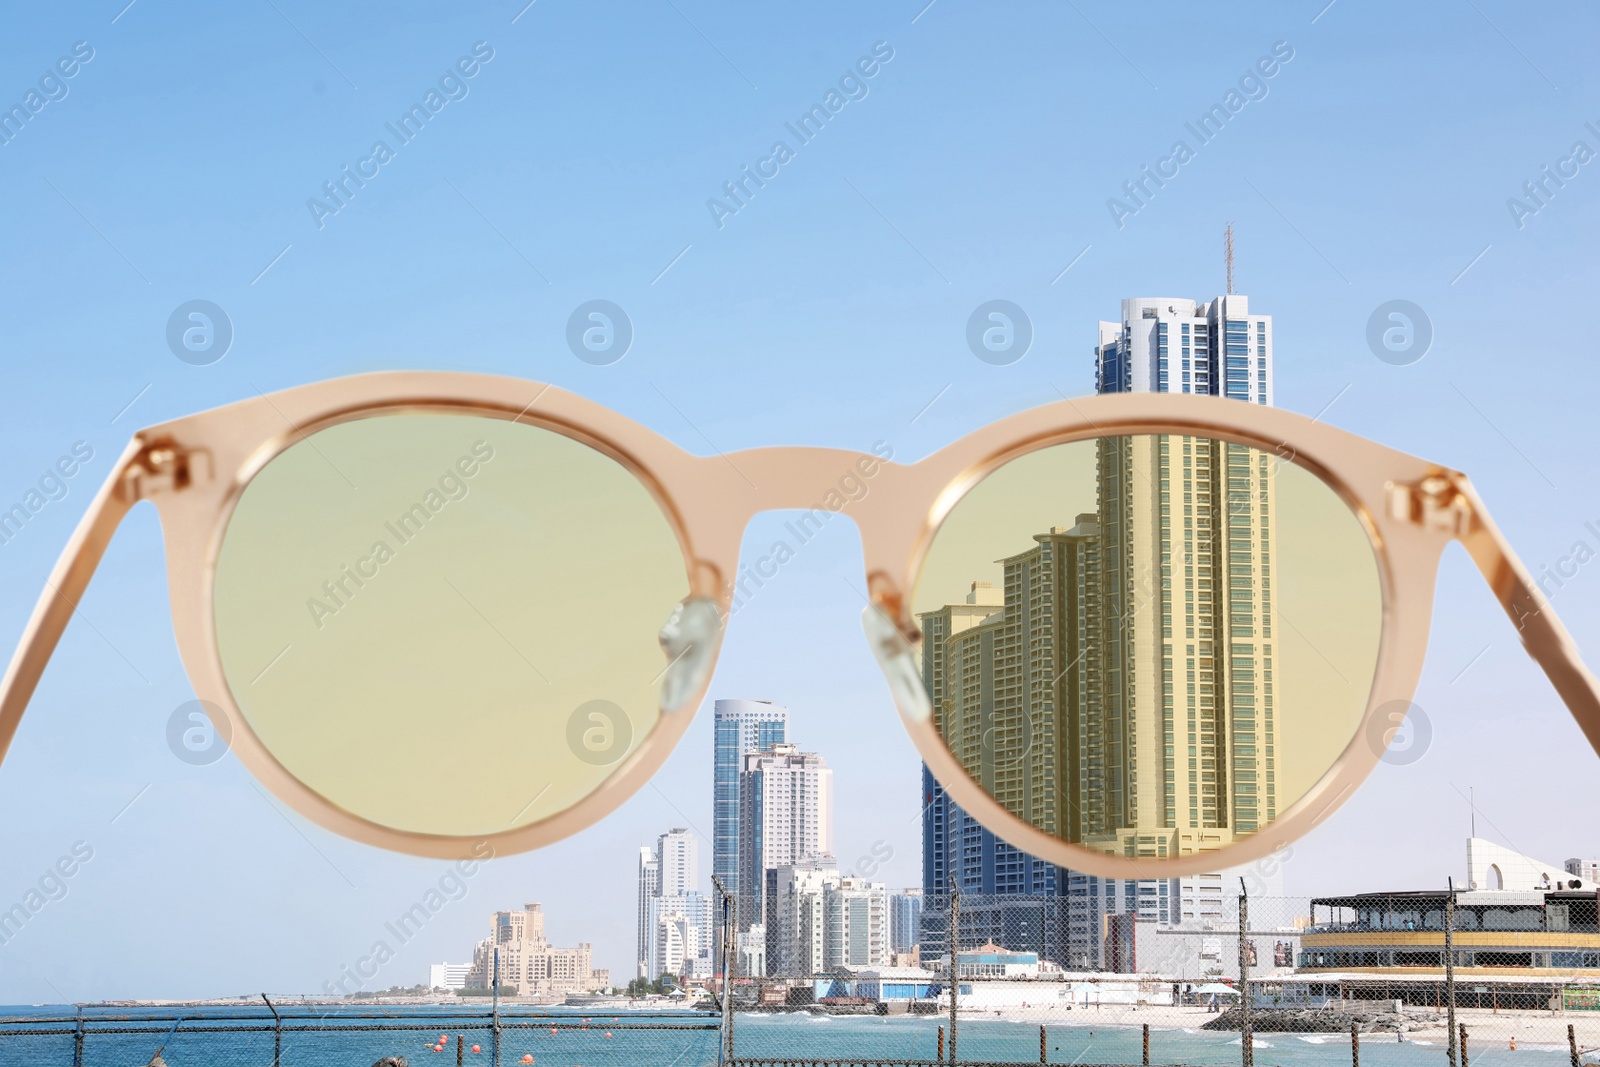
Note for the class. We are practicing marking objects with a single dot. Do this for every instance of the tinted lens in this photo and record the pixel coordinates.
(447, 624)
(1151, 645)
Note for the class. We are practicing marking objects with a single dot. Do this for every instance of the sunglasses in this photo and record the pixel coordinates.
(1136, 635)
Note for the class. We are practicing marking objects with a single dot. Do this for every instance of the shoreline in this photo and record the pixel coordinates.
(1486, 1029)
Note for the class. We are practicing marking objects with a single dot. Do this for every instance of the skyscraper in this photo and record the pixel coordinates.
(1188, 622)
(785, 818)
(676, 856)
(1186, 544)
(1009, 896)
(1116, 691)
(740, 727)
(675, 919)
(649, 890)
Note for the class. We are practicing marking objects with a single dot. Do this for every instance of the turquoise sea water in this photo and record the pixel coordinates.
(620, 1038)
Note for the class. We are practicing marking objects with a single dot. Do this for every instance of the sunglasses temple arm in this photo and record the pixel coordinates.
(1546, 640)
(63, 590)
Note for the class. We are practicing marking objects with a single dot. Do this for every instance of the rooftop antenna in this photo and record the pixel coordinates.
(1227, 242)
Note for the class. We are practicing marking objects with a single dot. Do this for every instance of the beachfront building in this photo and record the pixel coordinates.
(448, 975)
(856, 924)
(1517, 946)
(518, 951)
(796, 916)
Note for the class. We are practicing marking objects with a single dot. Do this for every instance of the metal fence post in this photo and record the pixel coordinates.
(1463, 1045)
(1247, 1056)
(77, 1040)
(955, 956)
(277, 1032)
(1042, 1057)
(1355, 1045)
(940, 1056)
(1146, 1060)
(494, 1033)
(725, 1045)
(1450, 965)
(1572, 1044)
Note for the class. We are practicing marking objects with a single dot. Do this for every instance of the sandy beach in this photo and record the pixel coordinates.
(1486, 1029)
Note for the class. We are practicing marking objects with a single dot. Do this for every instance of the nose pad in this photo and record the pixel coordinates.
(900, 663)
(689, 639)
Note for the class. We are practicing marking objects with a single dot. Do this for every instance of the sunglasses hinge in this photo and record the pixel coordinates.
(1434, 503)
(165, 466)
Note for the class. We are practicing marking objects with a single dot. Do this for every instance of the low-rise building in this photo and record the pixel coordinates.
(523, 958)
(448, 975)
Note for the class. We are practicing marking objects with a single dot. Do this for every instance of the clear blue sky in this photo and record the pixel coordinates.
(828, 311)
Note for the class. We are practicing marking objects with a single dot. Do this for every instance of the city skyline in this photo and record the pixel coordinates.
(794, 911)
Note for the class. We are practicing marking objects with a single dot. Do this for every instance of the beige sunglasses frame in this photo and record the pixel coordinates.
(195, 468)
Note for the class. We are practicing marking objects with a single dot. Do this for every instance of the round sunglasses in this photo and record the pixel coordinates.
(1137, 635)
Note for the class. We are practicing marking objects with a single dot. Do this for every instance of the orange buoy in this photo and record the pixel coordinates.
(527, 1058)
(475, 1048)
(608, 1033)
(552, 1031)
(443, 1038)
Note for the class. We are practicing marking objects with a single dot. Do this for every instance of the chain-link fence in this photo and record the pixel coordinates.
(348, 1037)
(1197, 974)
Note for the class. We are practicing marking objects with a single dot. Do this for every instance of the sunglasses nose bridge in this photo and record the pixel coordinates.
(812, 479)
(724, 493)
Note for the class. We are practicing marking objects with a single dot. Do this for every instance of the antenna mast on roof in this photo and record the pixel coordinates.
(1227, 243)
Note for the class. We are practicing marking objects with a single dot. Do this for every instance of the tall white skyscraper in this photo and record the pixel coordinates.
(649, 890)
(785, 818)
(677, 854)
(675, 920)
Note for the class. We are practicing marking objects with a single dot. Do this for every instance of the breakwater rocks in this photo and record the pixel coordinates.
(1328, 1020)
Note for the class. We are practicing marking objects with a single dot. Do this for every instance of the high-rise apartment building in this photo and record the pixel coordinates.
(1186, 544)
(795, 916)
(1117, 690)
(905, 921)
(785, 818)
(677, 854)
(856, 924)
(681, 939)
(675, 920)
(739, 728)
(649, 890)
